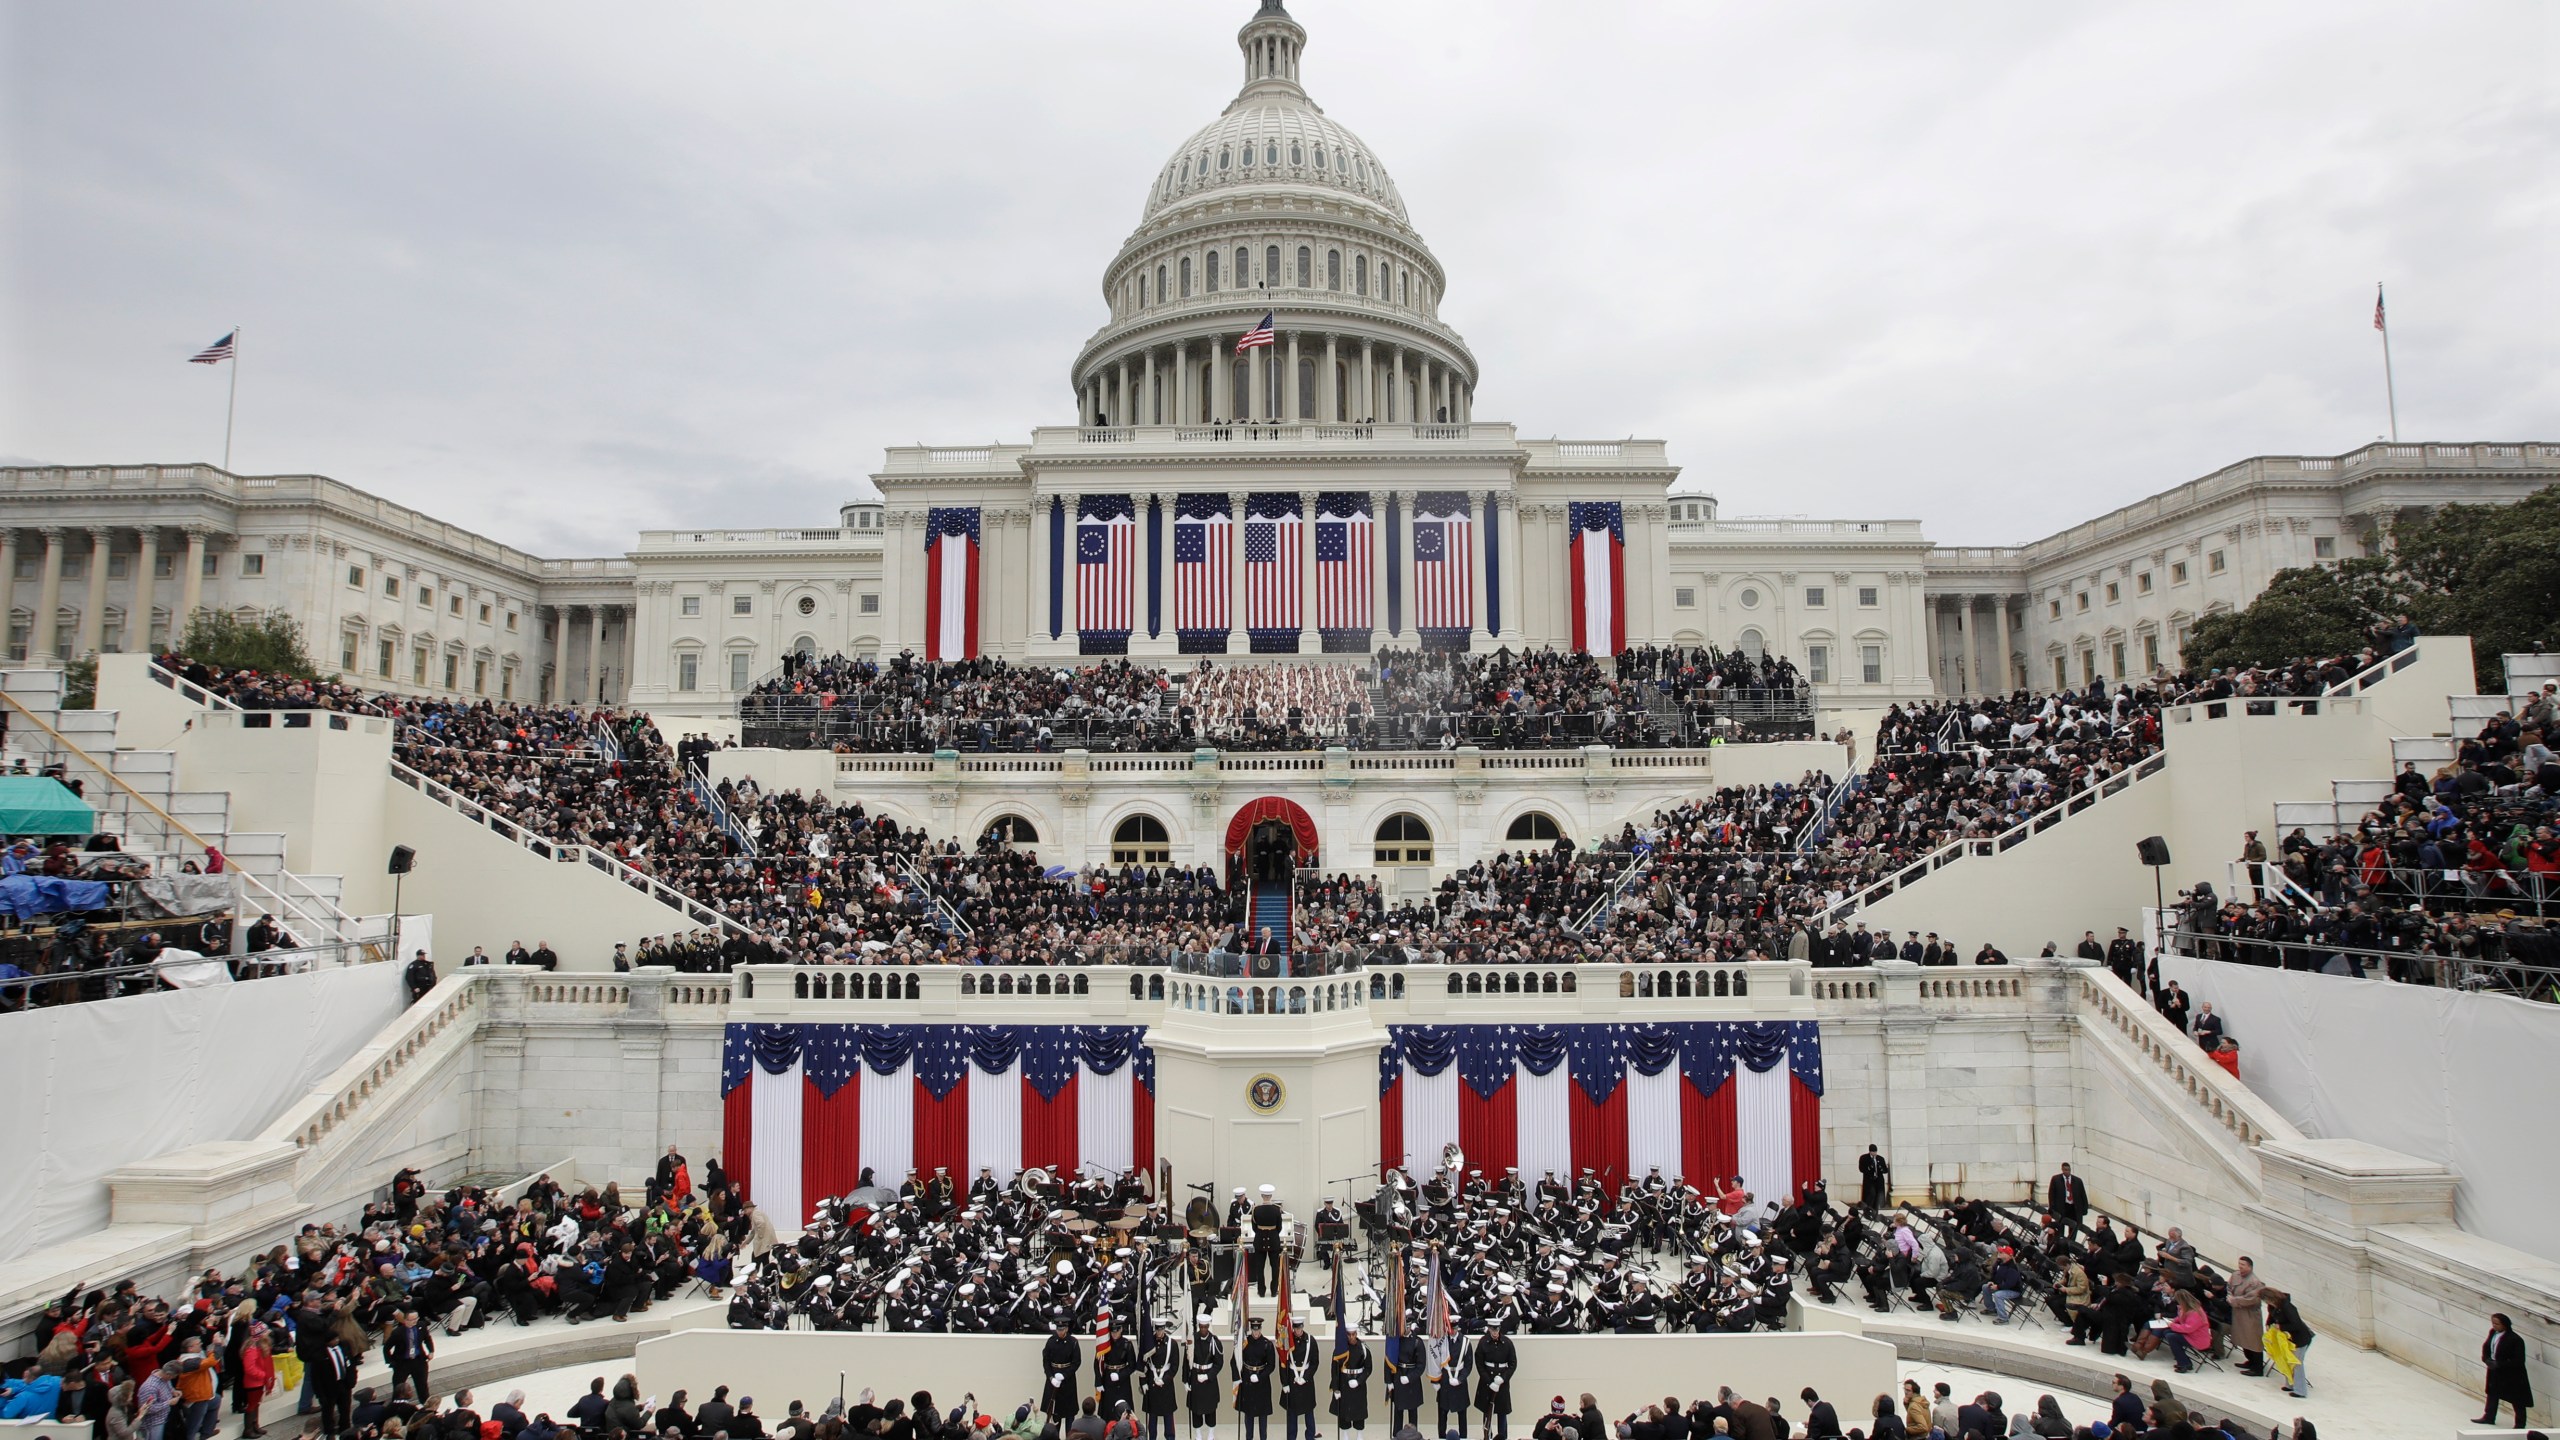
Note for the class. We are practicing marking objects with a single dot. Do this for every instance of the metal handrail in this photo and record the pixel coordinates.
(1599, 912)
(2375, 673)
(2457, 972)
(951, 921)
(1817, 827)
(698, 781)
(700, 912)
(338, 923)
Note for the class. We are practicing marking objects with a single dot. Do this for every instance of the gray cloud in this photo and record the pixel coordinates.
(561, 272)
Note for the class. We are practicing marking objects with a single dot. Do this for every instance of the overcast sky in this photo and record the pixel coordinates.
(564, 271)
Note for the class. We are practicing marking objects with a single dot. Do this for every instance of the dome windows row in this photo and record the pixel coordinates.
(1220, 269)
(1274, 156)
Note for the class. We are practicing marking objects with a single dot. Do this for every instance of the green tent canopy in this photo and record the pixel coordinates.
(41, 805)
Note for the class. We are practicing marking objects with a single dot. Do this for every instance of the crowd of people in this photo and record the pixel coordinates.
(1393, 699)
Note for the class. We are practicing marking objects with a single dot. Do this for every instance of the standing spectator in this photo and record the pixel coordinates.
(2253, 859)
(407, 1349)
(257, 1377)
(2508, 1382)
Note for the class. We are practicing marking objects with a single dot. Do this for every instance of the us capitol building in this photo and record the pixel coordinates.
(1356, 421)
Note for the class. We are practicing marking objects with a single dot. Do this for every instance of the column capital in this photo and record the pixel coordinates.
(51, 533)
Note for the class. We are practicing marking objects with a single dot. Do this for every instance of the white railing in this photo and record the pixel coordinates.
(563, 852)
(2374, 674)
(2018, 834)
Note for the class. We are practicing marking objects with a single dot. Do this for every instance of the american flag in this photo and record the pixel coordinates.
(1345, 543)
(1274, 564)
(2377, 312)
(1257, 336)
(1106, 542)
(1203, 583)
(1443, 562)
(222, 349)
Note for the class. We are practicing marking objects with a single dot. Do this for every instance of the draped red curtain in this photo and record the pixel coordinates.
(1599, 1137)
(738, 1134)
(942, 1132)
(830, 1142)
(1391, 1126)
(1272, 807)
(1142, 1128)
(1804, 1117)
(1049, 1128)
(1489, 1130)
(1710, 1137)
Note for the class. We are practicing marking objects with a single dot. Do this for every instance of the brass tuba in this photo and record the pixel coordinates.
(1453, 1159)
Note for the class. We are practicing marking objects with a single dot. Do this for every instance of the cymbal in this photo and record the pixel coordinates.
(1075, 1227)
(1127, 1222)
(1204, 1234)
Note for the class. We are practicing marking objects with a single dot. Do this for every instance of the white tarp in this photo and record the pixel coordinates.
(105, 1084)
(2463, 1080)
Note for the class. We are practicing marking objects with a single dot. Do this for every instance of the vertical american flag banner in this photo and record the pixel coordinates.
(1346, 570)
(1704, 1102)
(1598, 559)
(951, 583)
(1204, 588)
(1275, 572)
(1444, 556)
(1106, 573)
(807, 1108)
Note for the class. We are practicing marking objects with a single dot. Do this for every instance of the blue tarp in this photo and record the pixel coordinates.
(25, 895)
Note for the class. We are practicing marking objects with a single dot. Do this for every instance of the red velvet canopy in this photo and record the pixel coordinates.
(1272, 807)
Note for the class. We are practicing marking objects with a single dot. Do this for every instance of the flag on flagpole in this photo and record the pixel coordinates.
(2377, 311)
(1259, 336)
(220, 350)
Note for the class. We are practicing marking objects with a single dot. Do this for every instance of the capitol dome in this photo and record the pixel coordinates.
(1273, 209)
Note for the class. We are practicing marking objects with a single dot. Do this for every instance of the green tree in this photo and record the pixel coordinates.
(271, 642)
(80, 684)
(2321, 610)
(2491, 572)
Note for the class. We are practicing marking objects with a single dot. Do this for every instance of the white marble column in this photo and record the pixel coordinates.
(41, 644)
(1289, 396)
(93, 608)
(9, 590)
(1150, 411)
(1309, 642)
(1477, 634)
(1513, 552)
(2006, 679)
(1382, 506)
(1368, 389)
(1422, 407)
(146, 586)
(1396, 403)
(1328, 397)
(1974, 619)
(1237, 619)
(1041, 560)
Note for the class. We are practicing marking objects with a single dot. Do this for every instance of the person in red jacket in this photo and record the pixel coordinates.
(2227, 1055)
(257, 1377)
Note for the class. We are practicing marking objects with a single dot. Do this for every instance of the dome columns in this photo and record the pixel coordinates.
(1311, 374)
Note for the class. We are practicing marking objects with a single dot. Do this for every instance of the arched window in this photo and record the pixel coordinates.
(1142, 289)
(1360, 275)
(1186, 277)
(1297, 153)
(1752, 644)
(1248, 154)
(1222, 157)
(1333, 270)
(1403, 839)
(1306, 267)
(1270, 152)
(1271, 265)
(1141, 840)
(1244, 268)
(1161, 295)
(1537, 827)
(1186, 172)
(1404, 287)
(1212, 274)
(1012, 830)
(1307, 388)
(1319, 157)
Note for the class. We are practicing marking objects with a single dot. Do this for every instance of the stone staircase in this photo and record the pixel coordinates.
(138, 798)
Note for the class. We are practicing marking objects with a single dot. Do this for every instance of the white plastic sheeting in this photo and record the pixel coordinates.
(2464, 1080)
(106, 1084)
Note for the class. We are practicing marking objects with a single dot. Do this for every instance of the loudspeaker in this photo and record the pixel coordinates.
(403, 859)
(2153, 849)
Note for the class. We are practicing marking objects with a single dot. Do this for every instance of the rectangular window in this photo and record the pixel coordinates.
(2324, 547)
(73, 566)
(742, 604)
(2053, 609)
(1871, 664)
(2178, 573)
(418, 666)
(2213, 562)
(383, 661)
(1814, 598)
(427, 596)
(453, 606)
(347, 652)
(355, 576)
(2081, 600)
(690, 605)
(212, 564)
(507, 684)
(1817, 664)
(738, 677)
(871, 604)
(2088, 666)
(252, 566)
(2150, 653)
(1866, 597)
(484, 613)
(391, 586)
(511, 619)
(116, 567)
(2061, 673)
(453, 672)
(688, 671)
(2115, 592)
(2142, 583)
(164, 566)
(19, 636)
(2116, 653)
(1685, 597)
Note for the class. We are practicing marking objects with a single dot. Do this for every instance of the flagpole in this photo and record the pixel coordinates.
(2390, 394)
(231, 411)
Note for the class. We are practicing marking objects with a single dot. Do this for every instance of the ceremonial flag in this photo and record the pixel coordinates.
(1274, 572)
(951, 583)
(806, 1108)
(1346, 557)
(1106, 566)
(1203, 584)
(1699, 1100)
(219, 351)
(1443, 569)
(2377, 314)
(1257, 337)
(1598, 559)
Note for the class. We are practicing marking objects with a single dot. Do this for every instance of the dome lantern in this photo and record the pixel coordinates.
(1271, 42)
